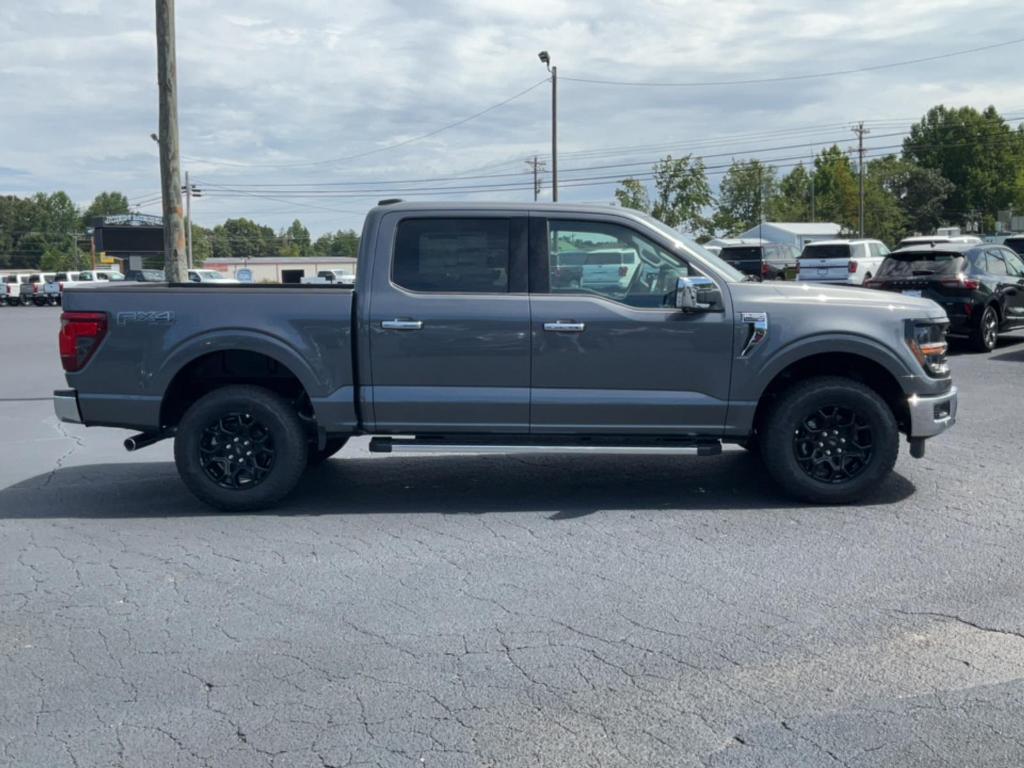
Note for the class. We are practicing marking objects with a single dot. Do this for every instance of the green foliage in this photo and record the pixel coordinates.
(243, 239)
(921, 193)
(976, 151)
(30, 226)
(836, 189)
(295, 241)
(793, 202)
(337, 244)
(683, 194)
(747, 195)
(633, 194)
(105, 204)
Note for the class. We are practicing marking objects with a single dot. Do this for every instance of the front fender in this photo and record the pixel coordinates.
(764, 371)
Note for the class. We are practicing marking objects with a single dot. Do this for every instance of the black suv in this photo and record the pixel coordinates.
(765, 261)
(981, 287)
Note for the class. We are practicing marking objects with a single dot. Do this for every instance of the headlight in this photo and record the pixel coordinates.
(927, 341)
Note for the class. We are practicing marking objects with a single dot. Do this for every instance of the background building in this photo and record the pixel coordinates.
(283, 269)
(797, 234)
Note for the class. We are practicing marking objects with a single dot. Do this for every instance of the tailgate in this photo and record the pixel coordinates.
(831, 270)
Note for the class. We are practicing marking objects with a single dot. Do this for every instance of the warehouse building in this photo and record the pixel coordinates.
(272, 269)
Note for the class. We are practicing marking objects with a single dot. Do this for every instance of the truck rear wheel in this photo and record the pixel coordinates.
(240, 448)
(829, 440)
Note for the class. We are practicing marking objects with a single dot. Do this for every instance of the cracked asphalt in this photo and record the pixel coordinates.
(490, 611)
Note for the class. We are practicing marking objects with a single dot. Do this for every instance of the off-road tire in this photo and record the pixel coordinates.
(276, 417)
(789, 415)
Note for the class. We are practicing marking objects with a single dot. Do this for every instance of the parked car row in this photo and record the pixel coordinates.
(47, 288)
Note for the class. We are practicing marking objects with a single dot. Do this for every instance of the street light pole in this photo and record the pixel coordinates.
(546, 59)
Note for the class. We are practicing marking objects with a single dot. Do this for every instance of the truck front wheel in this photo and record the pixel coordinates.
(240, 448)
(829, 440)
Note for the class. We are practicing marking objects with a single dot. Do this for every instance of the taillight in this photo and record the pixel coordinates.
(623, 271)
(35, 287)
(798, 267)
(764, 269)
(80, 335)
(853, 267)
(960, 281)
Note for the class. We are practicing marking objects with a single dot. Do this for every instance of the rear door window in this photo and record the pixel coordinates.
(830, 251)
(1014, 263)
(452, 255)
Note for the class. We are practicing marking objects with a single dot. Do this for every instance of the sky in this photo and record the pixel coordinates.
(314, 109)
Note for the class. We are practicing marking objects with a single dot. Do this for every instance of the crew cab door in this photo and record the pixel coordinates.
(448, 324)
(619, 358)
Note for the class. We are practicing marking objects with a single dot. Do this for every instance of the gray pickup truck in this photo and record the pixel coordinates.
(465, 332)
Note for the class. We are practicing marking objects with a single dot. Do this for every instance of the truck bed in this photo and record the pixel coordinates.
(156, 332)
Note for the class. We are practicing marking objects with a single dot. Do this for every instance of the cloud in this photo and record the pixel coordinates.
(267, 88)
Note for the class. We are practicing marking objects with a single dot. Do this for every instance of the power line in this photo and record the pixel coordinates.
(385, 148)
(790, 78)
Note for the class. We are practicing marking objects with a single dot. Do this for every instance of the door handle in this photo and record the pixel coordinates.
(561, 326)
(401, 325)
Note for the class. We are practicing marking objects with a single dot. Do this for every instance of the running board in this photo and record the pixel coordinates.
(589, 447)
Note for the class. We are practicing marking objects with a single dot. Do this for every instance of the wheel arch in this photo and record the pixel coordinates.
(210, 365)
(882, 375)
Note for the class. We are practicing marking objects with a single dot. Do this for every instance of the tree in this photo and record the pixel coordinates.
(295, 241)
(633, 194)
(343, 243)
(243, 239)
(976, 151)
(793, 202)
(836, 193)
(683, 194)
(105, 204)
(884, 215)
(746, 196)
(920, 192)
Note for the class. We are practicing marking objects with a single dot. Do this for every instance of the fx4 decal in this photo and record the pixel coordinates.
(147, 318)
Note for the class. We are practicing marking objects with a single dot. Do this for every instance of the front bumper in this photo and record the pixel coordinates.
(930, 416)
(65, 405)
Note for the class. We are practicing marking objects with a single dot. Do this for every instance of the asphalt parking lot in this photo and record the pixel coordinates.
(496, 611)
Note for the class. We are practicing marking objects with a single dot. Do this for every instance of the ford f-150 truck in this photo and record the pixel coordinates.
(456, 338)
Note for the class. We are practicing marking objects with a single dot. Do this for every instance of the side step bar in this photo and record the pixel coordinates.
(455, 445)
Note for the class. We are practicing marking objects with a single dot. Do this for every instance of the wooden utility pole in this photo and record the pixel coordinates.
(537, 166)
(170, 171)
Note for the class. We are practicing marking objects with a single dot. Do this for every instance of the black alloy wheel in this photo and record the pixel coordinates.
(237, 451)
(833, 444)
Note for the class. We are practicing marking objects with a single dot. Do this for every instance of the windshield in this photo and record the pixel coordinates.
(688, 244)
(919, 264)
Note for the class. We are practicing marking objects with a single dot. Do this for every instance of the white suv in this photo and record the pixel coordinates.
(850, 262)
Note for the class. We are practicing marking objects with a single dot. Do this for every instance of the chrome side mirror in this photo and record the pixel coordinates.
(697, 294)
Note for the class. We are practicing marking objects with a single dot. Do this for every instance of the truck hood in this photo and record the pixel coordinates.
(750, 296)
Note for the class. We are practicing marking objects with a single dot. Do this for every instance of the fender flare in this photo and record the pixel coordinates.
(830, 343)
(237, 339)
